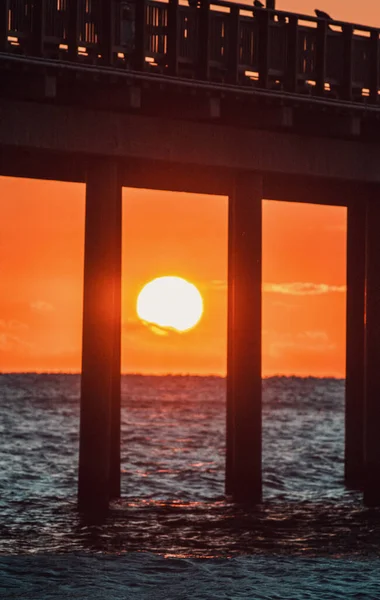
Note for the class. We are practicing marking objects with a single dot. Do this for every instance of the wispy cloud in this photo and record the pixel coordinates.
(12, 325)
(294, 288)
(10, 336)
(139, 325)
(305, 341)
(219, 284)
(131, 325)
(41, 306)
(316, 336)
(10, 342)
(297, 288)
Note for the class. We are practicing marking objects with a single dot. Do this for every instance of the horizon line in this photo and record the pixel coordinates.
(183, 374)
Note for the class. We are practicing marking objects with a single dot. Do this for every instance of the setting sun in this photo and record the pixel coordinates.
(170, 302)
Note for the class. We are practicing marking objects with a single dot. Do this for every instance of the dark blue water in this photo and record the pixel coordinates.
(174, 535)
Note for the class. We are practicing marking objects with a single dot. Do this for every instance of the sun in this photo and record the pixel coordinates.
(170, 302)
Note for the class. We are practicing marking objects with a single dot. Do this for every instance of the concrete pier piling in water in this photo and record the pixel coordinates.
(100, 385)
(372, 358)
(244, 345)
(115, 442)
(355, 312)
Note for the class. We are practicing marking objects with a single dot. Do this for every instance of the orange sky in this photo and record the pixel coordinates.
(366, 12)
(41, 261)
(41, 267)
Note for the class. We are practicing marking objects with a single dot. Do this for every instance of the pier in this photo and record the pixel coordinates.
(222, 98)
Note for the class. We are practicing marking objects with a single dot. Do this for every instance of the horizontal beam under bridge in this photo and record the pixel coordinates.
(174, 177)
(68, 130)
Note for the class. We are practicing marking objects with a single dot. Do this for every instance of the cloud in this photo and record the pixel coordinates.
(294, 288)
(219, 284)
(156, 328)
(131, 325)
(160, 329)
(320, 336)
(12, 325)
(10, 339)
(139, 325)
(302, 288)
(41, 306)
(305, 341)
(10, 342)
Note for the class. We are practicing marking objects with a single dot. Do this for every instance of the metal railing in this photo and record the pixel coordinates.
(217, 42)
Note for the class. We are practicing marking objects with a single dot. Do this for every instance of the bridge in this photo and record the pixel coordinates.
(220, 98)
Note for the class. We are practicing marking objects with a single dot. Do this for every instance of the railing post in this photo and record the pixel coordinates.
(292, 55)
(374, 67)
(347, 61)
(4, 26)
(263, 17)
(106, 41)
(140, 35)
(321, 56)
(271, 6)
(173, 40)
(73, 30)
(204, 40)
(234, 45)
(38, 27)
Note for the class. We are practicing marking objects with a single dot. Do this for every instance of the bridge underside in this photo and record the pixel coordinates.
(68, 130)
(108, 150)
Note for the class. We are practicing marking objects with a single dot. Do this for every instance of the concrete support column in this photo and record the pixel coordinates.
(372, 357)
(229, 483)
(354, 415)
(244, 431)
(115, 447)
(100, 384)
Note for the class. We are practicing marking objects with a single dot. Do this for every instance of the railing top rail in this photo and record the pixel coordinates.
(235, 44)
(171, 82)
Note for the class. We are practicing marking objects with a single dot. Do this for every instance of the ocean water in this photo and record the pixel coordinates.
(174, 534)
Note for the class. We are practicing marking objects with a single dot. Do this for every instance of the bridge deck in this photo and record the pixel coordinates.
(223, 43)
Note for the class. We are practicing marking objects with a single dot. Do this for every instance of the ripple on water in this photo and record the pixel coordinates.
(173, 472)
(146, 576)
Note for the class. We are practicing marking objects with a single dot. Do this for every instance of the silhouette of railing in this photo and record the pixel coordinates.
(219, 42)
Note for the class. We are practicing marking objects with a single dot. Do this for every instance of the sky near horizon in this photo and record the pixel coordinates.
(41, 284)
(304, 272)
